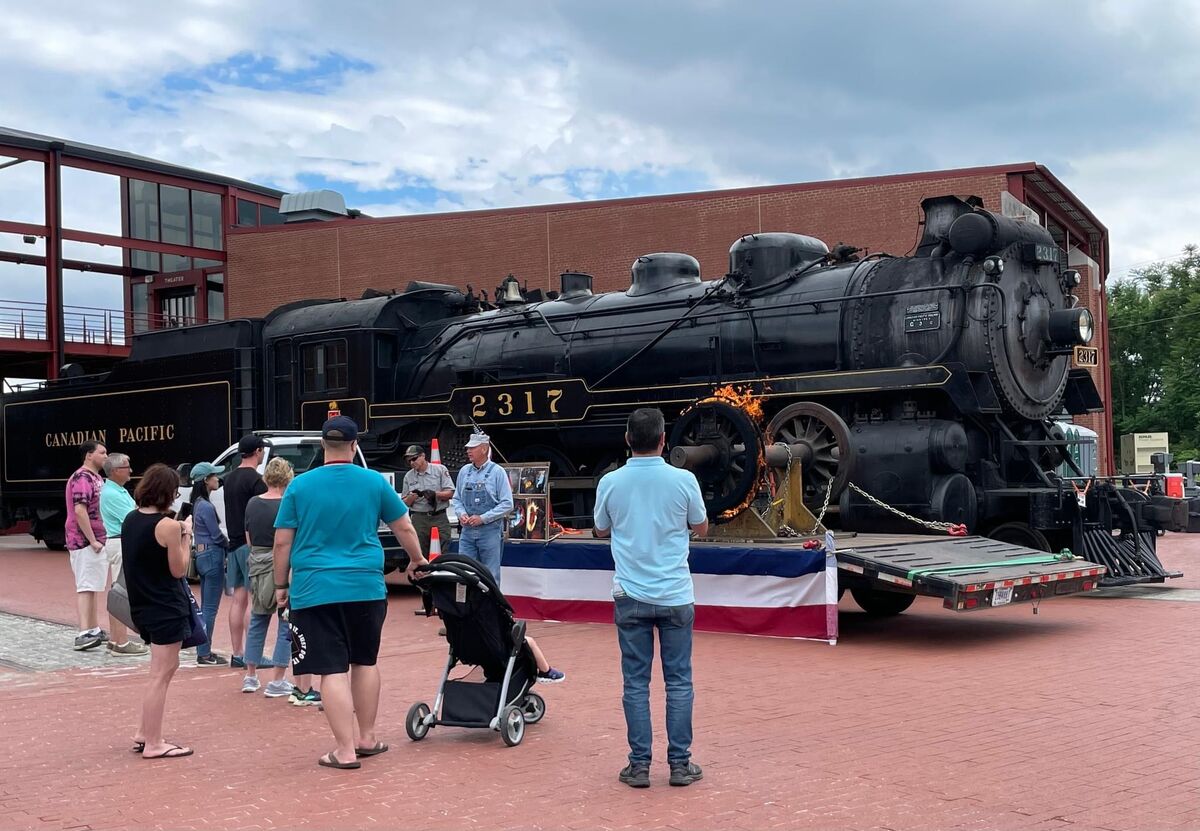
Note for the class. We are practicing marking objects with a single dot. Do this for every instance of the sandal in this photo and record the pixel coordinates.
(329, 760)
(170, 753)
(378, 748)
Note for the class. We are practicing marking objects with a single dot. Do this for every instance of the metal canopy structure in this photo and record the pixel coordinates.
(171, 274)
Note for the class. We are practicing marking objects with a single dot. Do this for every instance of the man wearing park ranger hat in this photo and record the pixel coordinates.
(426, 490)
(482, 499)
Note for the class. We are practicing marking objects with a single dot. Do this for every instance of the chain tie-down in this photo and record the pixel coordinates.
(954, 529)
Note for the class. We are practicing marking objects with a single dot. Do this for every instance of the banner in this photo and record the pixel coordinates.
(778, 591)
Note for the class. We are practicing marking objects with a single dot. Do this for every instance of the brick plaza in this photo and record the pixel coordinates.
(1082, 716)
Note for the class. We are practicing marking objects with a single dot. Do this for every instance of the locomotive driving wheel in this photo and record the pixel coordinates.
(818, 440)
(720, 444)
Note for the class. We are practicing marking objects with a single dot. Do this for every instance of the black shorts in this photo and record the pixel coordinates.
(163, 630)
(327, 639)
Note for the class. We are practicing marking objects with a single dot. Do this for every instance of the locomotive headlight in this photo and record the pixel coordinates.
(1071, 327)
(993, 266)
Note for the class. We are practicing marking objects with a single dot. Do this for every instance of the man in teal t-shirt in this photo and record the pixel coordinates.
(327, 542)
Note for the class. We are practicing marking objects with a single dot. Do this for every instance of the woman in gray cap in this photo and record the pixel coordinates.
(211, 546)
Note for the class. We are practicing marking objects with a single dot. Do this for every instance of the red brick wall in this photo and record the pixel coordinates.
(267, 268)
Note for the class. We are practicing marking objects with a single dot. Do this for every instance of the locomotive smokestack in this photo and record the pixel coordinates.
(940, 213)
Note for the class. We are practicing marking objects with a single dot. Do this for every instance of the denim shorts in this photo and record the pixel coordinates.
(237, 572)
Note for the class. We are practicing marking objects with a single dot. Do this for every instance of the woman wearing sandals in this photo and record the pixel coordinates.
(155, 551)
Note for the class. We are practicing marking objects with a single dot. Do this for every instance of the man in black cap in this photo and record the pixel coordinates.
(329, 573)
(241, 485)
(426, 490)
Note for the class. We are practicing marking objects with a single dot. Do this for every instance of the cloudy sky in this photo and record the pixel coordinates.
(417, 107)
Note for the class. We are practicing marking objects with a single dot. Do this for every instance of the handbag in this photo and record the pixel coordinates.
(118, 602)
(198, 635)
(193, 573)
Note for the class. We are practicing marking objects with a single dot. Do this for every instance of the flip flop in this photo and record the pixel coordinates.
(170, 753)
(331, 761)
(379, 747)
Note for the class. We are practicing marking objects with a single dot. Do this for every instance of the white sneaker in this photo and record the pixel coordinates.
(278, 689)
(250, 684)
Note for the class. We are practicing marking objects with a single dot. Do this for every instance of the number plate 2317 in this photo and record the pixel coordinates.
(539, 401)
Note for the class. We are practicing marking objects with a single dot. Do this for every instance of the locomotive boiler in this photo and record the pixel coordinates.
(925, 381)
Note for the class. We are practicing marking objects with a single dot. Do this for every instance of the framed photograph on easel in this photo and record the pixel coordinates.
(530, 519)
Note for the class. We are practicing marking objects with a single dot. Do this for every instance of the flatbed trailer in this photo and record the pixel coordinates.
(967, 573)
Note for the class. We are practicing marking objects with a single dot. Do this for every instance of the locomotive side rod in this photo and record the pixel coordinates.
(779, 455)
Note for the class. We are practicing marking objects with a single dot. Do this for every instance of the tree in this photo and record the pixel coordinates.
(1154, 346)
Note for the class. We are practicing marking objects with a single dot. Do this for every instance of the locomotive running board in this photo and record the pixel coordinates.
(970, 573)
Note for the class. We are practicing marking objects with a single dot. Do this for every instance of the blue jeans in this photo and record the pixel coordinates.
(485, 543)
(636, 622)
(210, 564)
(256, 639)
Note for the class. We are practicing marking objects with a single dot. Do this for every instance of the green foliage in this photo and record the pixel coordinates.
(1154, 330)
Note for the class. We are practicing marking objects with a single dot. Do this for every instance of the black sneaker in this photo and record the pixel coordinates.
(682, 775)
(637, 776)
(211, 660)
(238, 662)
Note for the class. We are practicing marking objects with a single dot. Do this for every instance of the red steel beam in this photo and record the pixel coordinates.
(54, 298)
(9, 227)
(143, 244)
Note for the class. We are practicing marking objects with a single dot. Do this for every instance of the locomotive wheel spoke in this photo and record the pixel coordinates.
(827, 438)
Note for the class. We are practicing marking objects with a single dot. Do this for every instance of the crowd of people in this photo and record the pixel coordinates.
(304, 551)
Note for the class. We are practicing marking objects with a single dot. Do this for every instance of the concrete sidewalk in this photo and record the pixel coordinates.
(1083, 716)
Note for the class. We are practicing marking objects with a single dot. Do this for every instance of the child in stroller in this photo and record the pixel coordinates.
(481, 632)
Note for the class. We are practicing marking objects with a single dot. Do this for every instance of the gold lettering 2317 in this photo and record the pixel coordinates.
(478, 410)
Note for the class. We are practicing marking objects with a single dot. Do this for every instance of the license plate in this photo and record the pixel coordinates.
(1002, 596)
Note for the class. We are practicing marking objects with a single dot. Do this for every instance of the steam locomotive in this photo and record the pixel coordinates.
(917, 388)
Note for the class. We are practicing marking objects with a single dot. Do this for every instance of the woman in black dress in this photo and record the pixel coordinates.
(155, 551)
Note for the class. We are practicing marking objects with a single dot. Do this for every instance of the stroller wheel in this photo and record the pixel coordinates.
(534, 708)
(415, 724)
(512, 725)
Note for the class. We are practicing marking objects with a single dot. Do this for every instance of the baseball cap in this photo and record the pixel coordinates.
(413, 451)
(340, 428)
(202, 471)
(250, 443)
(478, 439)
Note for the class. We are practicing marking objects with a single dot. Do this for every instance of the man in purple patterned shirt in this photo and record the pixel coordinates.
(85, 540)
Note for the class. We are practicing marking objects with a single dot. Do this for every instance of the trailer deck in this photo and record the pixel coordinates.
(968, 573)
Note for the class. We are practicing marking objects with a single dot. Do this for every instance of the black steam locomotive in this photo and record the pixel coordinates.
(924, 384)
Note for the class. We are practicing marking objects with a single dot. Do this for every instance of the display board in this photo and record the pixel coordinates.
(530, 519)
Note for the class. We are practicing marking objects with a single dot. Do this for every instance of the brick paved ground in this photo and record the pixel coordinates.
(1083, 716)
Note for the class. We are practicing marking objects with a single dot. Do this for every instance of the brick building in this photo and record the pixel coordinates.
(342, 258)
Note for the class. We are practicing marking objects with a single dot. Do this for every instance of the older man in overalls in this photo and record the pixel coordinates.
(482, 499)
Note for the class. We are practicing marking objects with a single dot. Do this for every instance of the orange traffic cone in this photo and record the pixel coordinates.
(435, 455)
(435, 543)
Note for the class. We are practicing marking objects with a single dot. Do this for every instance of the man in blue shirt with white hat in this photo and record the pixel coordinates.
(482, 499)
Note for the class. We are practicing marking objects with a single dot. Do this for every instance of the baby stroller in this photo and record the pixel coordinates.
(481, 632)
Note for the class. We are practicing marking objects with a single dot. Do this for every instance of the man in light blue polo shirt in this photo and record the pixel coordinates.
(647, 507)
(115, 505)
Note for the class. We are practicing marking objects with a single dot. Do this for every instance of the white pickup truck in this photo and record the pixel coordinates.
(303, 449)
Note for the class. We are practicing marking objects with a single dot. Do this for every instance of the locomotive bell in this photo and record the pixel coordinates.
(510, 292)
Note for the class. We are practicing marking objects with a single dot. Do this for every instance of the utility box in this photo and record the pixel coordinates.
(1136, 449)
(1082, 450)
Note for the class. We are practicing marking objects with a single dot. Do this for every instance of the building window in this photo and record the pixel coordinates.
(216, 296)
(269, 216)
(324, 366)
(145, 261)
(174, 262)
(247, 213)
(143, 209)
(176, 215)
(139, 305)
(206, 219)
